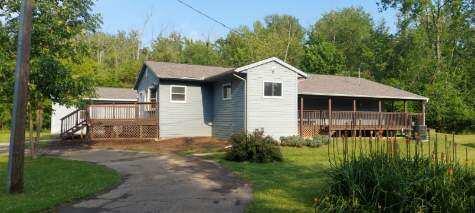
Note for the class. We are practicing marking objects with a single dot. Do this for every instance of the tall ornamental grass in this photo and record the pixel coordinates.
(391, 179)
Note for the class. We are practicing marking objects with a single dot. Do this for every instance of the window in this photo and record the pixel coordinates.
(152, 94)
(227, 91)
(272, 89)
(178, 94)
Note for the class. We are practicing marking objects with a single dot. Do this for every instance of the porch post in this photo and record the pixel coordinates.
(424, 113)
(301, 117)
(405, 113)
(379, 115)
(329, 117)
(354, 117)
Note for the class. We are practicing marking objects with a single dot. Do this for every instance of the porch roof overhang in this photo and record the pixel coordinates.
(343, 86)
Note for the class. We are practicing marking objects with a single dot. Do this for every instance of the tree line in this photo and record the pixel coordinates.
(431, 53)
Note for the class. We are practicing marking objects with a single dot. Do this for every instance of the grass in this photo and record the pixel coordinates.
(5, 136)
(292, 185)
(51, 181)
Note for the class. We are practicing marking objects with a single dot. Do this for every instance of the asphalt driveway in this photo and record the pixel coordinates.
(162, 183)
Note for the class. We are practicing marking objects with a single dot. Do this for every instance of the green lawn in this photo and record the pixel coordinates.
(291, 186)
(51, 181)
(5, 135)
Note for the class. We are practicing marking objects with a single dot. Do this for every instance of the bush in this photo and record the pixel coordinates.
(297, 141)
(254, 147)
(378, 182)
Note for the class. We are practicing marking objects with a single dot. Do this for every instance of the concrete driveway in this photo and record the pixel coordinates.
(162, 183)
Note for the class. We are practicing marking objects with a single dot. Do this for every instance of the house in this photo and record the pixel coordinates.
(183, 100)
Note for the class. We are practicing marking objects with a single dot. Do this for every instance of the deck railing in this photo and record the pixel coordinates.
(135, 111)
(347, 120)
(72, 120)
(114, 121)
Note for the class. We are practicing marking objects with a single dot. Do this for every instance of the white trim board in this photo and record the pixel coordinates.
(265, 61)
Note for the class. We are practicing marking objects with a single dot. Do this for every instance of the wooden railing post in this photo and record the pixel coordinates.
(379, 114)
(424, 113)
(301, 117)
(329, 117)
(77, 118)
(405, 114)
(354, 117)
(136, 111)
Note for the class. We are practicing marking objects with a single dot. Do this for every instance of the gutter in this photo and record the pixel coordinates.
(245, 100)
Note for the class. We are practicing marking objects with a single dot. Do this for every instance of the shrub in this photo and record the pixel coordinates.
(254, 147)
(378, 182)
(297, 141)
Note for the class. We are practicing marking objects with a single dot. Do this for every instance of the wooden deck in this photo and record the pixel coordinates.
(113, 121)
(312, 122)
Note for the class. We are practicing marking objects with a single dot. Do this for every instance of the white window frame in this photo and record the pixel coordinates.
(230, 92)
(171, 89)
(272, 81)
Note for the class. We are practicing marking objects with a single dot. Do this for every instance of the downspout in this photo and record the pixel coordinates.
(245, 100)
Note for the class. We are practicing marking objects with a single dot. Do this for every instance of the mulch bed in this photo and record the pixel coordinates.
(174, 145)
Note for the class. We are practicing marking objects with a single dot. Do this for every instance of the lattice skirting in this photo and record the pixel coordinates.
(123, 131)
(310, 130)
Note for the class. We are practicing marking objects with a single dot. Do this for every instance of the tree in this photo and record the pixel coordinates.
(56, 45)
(349, 30)
(322, 57)
(114, 58)
(167, 49)
(279, 35)
(434, 56)
(200, 52)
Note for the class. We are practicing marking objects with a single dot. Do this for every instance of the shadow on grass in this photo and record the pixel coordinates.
(471, 145)
(288, 186)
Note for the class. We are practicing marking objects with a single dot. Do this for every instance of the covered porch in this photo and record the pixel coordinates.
(364, 116)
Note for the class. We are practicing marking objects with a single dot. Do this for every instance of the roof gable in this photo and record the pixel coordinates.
(273, 59)
(140, 76)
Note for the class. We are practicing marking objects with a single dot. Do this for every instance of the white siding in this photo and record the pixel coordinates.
(277, 116)
(59, 111)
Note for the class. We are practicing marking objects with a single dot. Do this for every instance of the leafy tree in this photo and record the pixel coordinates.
(323, 57)
(279, 35)
(114, 58)
(434, 54)
(167, 49)
(55, 45)
(349, 30)
(200, 52)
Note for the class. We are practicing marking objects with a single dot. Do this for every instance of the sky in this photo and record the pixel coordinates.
(165, 16)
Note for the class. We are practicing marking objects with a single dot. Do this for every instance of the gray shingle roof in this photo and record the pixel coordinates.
(115, 93)
(332, 85)
(184, 71)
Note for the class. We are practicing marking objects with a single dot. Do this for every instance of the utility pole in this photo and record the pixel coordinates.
(17, 133)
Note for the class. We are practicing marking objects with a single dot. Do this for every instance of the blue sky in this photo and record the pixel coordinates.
(169, 15)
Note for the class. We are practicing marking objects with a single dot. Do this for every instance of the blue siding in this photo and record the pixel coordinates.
(192, 118)
(229, 114)
(277, 116)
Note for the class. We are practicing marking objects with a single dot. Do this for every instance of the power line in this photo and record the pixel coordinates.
(209, 17)
(233, 30)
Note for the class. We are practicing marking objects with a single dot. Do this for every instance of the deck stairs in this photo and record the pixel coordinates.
(72, 123)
